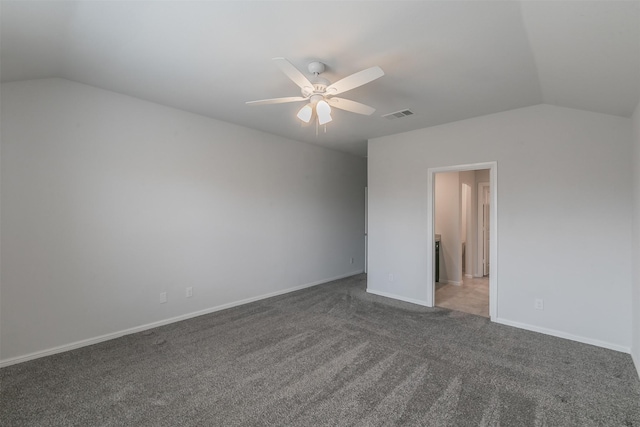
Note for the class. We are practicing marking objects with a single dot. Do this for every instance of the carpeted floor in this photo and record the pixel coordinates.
(326, 356)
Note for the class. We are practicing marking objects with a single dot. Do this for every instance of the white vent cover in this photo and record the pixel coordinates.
(398, 114)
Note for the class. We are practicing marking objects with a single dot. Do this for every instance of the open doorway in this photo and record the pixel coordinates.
(462, 238)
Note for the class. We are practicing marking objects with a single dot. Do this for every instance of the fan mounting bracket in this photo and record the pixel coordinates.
(316, 67)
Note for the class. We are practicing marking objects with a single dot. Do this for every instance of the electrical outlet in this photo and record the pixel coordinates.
(351, 260)
(163, 297)
(189, 292)
(391, 277)
(538, 304)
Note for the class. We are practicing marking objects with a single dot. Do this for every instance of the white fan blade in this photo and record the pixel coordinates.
(293, 73)
(352, 106)
(277, 100)
(355, 80)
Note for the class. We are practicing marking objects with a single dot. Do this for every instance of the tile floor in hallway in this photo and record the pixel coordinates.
(470, 297)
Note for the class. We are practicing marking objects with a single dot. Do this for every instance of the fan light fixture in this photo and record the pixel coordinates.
(305, 113)
(324, 112)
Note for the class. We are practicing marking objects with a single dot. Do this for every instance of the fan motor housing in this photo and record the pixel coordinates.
(319, 86)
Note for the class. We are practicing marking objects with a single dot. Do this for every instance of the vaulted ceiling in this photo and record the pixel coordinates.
(443, 60)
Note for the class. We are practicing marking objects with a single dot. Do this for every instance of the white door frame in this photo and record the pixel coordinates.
(366, 228)
(493, 236)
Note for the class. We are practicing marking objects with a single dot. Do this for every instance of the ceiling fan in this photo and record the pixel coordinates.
(321, 93)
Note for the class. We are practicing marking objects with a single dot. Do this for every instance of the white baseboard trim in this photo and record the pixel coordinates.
(136, 329)
(635, 356)
(565, 335)
(470, 276)
(398, 297)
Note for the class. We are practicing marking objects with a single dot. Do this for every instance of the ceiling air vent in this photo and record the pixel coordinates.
(398, 114)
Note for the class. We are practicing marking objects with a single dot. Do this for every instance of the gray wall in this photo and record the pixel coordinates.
(564, 216)
(107, 201)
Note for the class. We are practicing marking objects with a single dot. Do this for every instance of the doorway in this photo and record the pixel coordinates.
(462, 203)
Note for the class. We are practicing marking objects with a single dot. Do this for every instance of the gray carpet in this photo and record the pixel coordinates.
(329, 355)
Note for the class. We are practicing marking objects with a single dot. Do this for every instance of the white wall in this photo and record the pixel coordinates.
(108, 200)
(482, 175)
(447, 224)
(563, 234)
(636, 239)
(468, 234)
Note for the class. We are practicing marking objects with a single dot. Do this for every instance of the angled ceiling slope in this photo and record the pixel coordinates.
(443, 60)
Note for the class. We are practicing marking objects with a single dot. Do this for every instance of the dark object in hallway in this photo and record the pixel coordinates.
(327, 355)
(437, 257)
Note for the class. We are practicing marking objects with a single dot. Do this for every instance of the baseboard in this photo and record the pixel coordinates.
(635, 356)
(564, 335)
(114, 335)
(398, 297)
(469, 276)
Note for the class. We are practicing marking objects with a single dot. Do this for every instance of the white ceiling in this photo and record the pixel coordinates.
(444, 60)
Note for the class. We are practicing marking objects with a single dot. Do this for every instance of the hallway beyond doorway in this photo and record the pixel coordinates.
(470, 297)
